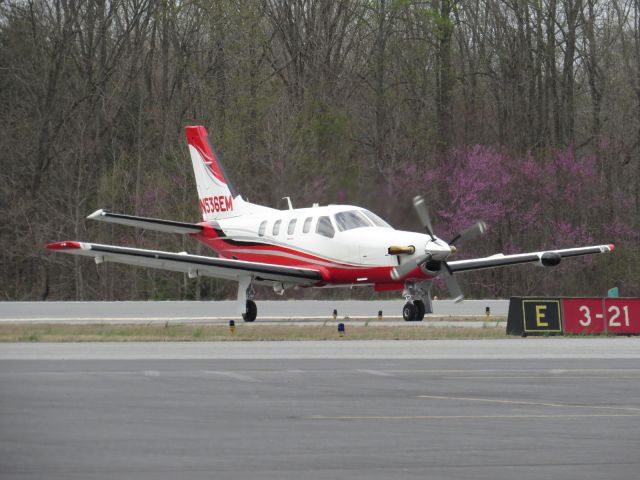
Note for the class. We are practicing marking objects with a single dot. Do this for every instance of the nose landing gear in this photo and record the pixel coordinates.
(413, 311)
(416, 293)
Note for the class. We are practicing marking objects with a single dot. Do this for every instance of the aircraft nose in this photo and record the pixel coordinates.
(438, 249)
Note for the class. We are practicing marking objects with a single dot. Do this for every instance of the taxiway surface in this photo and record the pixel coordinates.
(557, 408)
(222, 311)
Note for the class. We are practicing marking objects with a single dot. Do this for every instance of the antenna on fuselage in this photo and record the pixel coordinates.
(288, 199)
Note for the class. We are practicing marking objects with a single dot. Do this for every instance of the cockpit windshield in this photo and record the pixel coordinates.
(351, 219)
(377, 221)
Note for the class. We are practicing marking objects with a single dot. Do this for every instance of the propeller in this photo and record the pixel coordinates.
(452, 284)
(407, 267)
(423, 212)
(473, 231)
(469, 233)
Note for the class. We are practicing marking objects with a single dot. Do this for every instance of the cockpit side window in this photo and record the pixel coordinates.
(325, 228)
(377, 221)
(350, 220)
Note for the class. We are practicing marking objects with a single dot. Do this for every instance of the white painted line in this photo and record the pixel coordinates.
(234, 375)
(530, 403)
(475, 417)
(378, 373)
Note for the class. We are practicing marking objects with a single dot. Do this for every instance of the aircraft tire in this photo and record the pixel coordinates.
(420, 310)
(251, 313)
(409, 312)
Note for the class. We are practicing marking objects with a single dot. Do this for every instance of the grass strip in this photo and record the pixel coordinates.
(243, 332)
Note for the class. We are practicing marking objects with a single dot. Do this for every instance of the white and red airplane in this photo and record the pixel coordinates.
(330, 246)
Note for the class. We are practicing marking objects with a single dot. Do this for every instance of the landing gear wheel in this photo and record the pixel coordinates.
(251, 313)
(420, 310)
(409, 312)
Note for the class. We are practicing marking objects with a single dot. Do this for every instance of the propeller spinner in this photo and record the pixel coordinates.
(437, 250)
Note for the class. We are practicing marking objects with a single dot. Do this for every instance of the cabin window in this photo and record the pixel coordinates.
(350, 220)
(325, 228)
(377, 221)
(292, 226)
(262, 229)
(306, 228)
(276, 227)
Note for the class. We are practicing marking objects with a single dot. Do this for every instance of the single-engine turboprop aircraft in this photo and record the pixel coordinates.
(335, 245)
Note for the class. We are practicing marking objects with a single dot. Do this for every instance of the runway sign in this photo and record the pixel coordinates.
(582, 316)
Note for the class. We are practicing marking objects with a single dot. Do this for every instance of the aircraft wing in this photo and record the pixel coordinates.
(168, 226)
(547, 258)
(192, 264)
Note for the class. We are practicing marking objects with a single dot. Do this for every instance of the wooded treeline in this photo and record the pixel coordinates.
(523, 112)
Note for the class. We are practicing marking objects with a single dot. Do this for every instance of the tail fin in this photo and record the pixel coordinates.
(218, 197)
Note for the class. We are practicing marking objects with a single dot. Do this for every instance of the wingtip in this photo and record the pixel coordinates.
(98, 213)
(64, 246)
(612, 247)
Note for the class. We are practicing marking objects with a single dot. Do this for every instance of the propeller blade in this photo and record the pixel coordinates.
(452, 284)
(473, 231)
(404, 269)
(423, 212)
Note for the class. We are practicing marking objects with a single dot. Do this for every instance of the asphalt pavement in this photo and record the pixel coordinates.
(486, 409)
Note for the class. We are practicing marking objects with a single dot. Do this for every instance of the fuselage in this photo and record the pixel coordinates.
(348, 244)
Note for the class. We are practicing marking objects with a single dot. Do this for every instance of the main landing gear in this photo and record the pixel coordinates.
(246, 306)
(251, 311)
(418, 298)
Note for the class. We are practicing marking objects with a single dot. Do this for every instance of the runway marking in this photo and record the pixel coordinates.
(555, 373)
(473, 417)
(546, 377)
(234, 375)
(378, 373)
(528, 402)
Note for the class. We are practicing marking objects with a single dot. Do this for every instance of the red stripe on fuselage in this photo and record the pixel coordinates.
(339, 273)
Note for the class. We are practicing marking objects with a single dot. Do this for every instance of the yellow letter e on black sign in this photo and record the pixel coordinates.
(541, 316)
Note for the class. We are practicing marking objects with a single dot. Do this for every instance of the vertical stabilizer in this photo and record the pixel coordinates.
(218, 197)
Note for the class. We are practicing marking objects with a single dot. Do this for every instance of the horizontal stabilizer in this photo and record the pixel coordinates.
(167, 226)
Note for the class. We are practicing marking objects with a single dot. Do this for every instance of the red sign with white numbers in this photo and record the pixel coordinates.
(601, 315)
(583, 315)
(623, 315)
